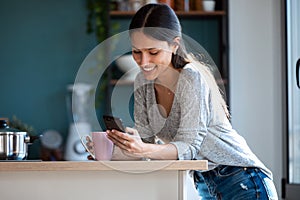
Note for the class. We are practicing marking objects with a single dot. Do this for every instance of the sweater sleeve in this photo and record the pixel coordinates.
(194, 98)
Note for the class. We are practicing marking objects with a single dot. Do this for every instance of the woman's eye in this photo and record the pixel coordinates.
(154, 53)
(136, 52)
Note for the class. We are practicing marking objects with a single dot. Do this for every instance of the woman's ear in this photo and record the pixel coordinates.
(176, 43)
(176, 40)
(174, 51)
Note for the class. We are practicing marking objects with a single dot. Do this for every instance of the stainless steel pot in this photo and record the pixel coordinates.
(13, 143)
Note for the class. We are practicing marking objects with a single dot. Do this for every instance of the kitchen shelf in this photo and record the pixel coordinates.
(179, 13)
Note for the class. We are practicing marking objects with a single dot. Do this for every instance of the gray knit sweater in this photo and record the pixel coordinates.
(195, 126)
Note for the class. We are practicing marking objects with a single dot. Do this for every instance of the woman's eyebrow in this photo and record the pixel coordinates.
(152, 48)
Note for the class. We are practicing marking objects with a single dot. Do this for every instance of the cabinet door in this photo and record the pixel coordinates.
(292, 187)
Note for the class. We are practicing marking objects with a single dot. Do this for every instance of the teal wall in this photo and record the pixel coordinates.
(206, 32)
(43, 44)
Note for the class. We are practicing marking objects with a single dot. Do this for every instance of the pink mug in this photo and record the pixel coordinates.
(103, 147)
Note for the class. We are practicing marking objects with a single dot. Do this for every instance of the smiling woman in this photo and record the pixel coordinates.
(180, 113)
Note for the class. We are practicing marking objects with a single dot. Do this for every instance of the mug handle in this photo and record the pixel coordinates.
(83, 142)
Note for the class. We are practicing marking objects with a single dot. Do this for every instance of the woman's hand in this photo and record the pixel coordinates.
(132, 145)
(130, 142)
(90, 146)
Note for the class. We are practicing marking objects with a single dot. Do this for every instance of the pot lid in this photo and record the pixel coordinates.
(4, 128)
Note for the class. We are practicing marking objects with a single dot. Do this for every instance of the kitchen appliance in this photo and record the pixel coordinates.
(78, 98)
(51, 146)
(13, 142)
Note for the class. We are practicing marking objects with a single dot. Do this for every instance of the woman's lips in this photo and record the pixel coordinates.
(148, 69)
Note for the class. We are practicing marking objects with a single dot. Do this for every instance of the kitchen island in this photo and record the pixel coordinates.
(111, 180)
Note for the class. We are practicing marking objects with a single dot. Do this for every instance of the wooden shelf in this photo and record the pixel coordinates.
(179, 13)
(200, 13)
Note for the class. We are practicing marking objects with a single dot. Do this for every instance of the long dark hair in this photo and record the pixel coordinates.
(160, 22)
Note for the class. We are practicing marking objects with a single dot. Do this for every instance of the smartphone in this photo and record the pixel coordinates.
(112, 122)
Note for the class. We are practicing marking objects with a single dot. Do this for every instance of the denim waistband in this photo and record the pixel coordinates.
(240, 182)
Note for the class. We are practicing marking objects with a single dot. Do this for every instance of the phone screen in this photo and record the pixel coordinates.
(113, 123)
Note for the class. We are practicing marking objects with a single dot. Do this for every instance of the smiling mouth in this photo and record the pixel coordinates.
(148, 69)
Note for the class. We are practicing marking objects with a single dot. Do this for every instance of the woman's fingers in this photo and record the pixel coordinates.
(89, 144)
(129, 141)
(88, 138)
(89, 157)
(118, 136)
(132, 131)
(122, 140)
(118, 141)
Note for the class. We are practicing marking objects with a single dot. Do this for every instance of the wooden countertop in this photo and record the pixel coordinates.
(104, 165)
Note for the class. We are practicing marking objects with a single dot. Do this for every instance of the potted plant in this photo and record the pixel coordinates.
(98, 22)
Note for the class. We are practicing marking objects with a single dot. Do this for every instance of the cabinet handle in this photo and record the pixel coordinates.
(297, 72)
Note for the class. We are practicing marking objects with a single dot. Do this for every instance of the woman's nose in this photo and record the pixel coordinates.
(144, 59)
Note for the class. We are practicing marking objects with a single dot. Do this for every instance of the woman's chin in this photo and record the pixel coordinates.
(149, 78)
(149, 75)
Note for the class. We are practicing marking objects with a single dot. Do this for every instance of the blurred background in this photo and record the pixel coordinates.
(43, 44)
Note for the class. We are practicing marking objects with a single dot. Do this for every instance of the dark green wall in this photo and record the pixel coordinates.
(206, 32)
(42, 45)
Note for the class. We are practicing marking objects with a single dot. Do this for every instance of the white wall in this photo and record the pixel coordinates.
(255, 78)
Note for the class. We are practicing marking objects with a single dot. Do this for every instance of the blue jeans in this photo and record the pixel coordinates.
(234, 183)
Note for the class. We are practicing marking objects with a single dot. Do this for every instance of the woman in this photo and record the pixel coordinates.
(180, 113)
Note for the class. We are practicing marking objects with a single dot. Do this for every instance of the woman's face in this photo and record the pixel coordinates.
(153, 56)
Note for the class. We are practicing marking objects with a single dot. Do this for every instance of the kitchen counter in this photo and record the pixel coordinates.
(103, 165)
(120, 180)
